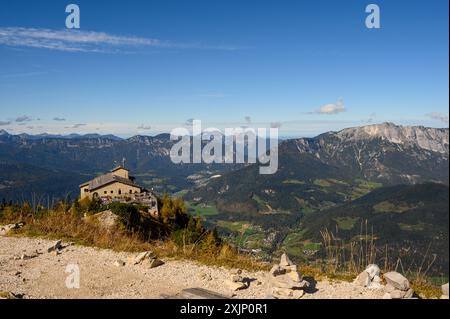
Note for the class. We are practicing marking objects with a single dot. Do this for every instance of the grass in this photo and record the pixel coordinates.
(363, 187)
(388, 207)
(412, 227)
(293, 181)
(346, 223)
(202, 209)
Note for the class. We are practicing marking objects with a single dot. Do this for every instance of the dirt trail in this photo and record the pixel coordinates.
(45, 276)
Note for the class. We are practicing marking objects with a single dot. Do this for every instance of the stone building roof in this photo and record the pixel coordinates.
(107, 179)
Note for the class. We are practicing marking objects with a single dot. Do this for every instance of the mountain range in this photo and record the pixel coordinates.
(393, 177)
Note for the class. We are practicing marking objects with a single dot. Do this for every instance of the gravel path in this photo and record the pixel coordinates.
(44, 276)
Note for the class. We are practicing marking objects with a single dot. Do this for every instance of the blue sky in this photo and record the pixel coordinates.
(144, 67)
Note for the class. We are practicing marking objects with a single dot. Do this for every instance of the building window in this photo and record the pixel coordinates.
(120, 191)
(131, 191)
(106, 192)
(112, 192)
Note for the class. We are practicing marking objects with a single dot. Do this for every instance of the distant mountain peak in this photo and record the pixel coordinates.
(3, 132)
(433, 139)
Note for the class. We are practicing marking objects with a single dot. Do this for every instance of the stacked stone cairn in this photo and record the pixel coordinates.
(370, 278)
(285, 281)
(397, 286)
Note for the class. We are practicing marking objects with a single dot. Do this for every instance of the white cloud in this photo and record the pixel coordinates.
(443, 117)
(3, 123)
(332, 108)
(23, 118)
(76, 125)
(84, 41)
(59, 119)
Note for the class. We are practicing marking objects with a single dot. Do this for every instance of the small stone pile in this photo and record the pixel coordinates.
(236, 281)
(147, 258)
(397, 286)
(369, 278)
(285, 282)
(4, 230)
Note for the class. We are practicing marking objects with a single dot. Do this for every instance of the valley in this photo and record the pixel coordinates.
(386, 179)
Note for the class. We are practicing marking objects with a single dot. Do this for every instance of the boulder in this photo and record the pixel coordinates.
(445, 289)
(397, 280)
(363, 279)
(373, 270)
(55, 246)
(285, 261)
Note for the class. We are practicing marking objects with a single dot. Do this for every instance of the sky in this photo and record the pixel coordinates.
(146, 67)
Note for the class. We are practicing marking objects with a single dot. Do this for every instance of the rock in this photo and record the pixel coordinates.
(373, 270)
(119, 263)
(291, 268)
(398, 294)
(409, 293)
(282, 292)
(387, 296)
(295, 276)
(155, 262)
(363, 279)
(389, 288)
(285, 261)
(277, 270)
(55, 246)
(235, 285)
(298, 294)
(140, 257)
(285, 281)
(236, 278)
(445, 289)
(397, 280)
(206, 277)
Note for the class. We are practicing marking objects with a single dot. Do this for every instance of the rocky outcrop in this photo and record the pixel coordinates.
(285, 281)
(431, 139)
